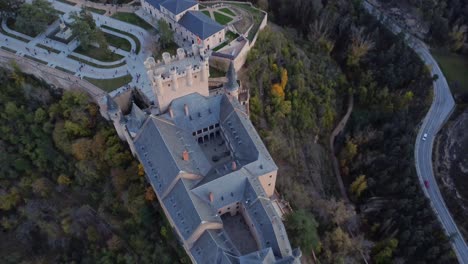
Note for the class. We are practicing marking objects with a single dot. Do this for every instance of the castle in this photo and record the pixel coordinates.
(211, 173)
(185, 19)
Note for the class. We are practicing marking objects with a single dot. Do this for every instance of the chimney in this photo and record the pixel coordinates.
(185, 155)
(186, 109)
(171, 112)
(211, 197)
(234, 165)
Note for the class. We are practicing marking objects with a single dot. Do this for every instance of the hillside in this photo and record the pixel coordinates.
(70, 190)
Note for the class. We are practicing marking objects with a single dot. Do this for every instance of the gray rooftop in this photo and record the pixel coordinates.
(200, 24)
(156, 3)
(232, 84)
(178, 6)
(194, 189)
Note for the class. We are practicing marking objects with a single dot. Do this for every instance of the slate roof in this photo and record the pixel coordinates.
(156, 3)
(135, 119)
(200, 24)
(159, 145)
(231, 75)
(178, 6)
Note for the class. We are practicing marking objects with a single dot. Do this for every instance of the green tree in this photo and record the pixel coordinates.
(84, 27)
(383, 251)
(92, 234)
(10, 199)
(9, 7)
(166, 36)
(302, 230)
(33, 18)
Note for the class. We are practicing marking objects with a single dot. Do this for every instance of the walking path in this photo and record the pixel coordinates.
(133, 62)
(341, 125)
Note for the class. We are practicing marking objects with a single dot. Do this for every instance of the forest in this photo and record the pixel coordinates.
(71, 192)
(448, 21)
(300, 76)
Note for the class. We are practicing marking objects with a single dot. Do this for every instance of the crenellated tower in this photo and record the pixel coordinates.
(178, 75)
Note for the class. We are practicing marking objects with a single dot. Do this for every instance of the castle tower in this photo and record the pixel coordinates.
(115, 114)
(158, 85)
(173, 74)
(232, 87)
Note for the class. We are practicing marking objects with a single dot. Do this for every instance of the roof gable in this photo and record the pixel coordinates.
(200, 24)
(178, 6)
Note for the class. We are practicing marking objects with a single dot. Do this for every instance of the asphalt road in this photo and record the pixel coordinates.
(440, 110)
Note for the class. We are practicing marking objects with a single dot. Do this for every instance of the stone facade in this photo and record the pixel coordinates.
(181, 21)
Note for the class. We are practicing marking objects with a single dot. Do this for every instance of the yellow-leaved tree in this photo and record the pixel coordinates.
(359, 185)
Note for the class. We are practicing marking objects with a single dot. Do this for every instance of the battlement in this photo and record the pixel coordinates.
(178, 75)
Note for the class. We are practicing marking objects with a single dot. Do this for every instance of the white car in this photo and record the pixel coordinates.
(424, 136)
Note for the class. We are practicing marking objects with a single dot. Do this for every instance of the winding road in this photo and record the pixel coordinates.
(440, 110)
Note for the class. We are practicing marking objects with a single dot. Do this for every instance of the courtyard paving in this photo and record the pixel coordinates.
(133, 62)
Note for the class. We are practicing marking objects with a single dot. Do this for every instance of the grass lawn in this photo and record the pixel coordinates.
(96, 10)
(214, 73)
(64, 70)
(96, 65)
(11, 25)
(48, 48)
(12, 35)
(8, 49)
(222, 19)
(230, 36)
(227, 11)
(110, 84)
(100, 54)
(171, 48)
(222, 45)
(118, 42)
(35, 59)
(67, 2)
(206, 12)
(138, 45)
(131, 18)
(257, 16)
(455, 68)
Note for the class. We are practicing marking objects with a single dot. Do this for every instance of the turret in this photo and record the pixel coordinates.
(189, 76)
(173, 74)
(115, 114)
(232, 86)
(158, 85)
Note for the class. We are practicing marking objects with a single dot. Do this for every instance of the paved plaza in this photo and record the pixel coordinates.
(131, 63)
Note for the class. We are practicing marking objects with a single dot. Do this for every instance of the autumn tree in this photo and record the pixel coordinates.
(63, 180)
(359, 47)
(42, 186)
(336, 246)
(149, 194)
(458, 37)
(358, 186)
